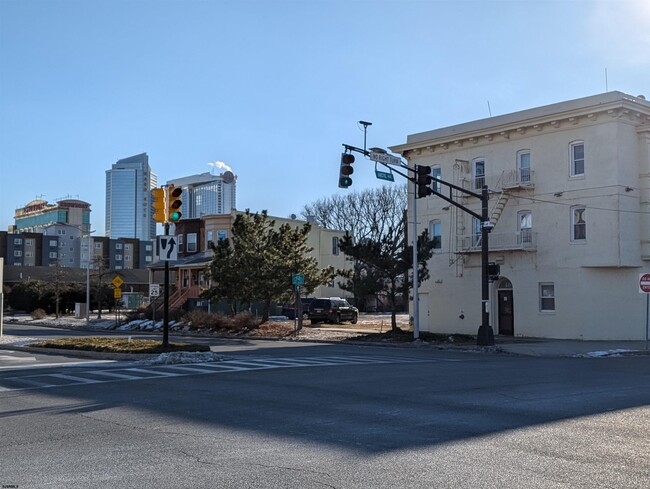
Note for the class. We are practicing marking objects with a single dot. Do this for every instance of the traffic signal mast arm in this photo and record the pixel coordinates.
(391, 167)
(451, 201)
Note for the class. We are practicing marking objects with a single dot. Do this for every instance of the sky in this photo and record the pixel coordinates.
(273, 88)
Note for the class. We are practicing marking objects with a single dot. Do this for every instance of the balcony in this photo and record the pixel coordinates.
(523, 178)
(523, 240)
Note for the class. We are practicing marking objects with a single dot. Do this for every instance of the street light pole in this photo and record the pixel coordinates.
(88, 282)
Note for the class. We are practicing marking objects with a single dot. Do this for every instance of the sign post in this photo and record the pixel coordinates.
(298, 280)
(644, 288)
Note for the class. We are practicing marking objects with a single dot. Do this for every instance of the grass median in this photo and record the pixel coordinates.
(118, 345)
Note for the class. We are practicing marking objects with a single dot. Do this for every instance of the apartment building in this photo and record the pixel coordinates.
(207, 194)
(570, 204)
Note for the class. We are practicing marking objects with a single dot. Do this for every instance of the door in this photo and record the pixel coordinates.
(506, 313)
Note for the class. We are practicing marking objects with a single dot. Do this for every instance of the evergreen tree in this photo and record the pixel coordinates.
(257, 263)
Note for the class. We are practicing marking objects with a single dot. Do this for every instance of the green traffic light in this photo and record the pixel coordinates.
(345, 182)
(175, 216)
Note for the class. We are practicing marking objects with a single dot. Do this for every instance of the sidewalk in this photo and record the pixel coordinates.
(537, 347)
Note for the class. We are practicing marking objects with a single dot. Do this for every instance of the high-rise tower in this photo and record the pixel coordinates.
(128, 199)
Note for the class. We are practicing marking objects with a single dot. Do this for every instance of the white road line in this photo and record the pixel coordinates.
(162, 371)
(79, 380)
(115, 375)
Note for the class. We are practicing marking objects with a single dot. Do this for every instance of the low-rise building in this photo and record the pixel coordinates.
(569, 201)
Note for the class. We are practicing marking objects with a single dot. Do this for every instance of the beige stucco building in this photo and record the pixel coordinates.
(570, 204)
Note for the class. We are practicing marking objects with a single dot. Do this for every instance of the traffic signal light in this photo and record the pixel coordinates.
(423, 180)
(346, 170)
(159, 205)
(174, 202)
(493, 270)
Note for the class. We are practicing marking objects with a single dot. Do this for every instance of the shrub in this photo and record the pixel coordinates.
(38, 314)
(244, 321)
(200, 319)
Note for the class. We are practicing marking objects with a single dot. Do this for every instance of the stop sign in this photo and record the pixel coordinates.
(644, 283)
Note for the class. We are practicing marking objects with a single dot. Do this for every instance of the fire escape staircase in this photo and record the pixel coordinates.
(498, 208)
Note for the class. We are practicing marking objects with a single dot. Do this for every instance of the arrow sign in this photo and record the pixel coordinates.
(167, 249)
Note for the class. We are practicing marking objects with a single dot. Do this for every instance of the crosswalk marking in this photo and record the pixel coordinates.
(124, 374)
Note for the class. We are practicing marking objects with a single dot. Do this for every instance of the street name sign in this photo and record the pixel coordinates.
(383, 175)
(386, 159)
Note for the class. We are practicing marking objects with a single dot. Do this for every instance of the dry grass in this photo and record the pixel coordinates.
(117, 345)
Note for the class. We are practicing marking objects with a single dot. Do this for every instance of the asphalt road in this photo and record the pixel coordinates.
(318, 415)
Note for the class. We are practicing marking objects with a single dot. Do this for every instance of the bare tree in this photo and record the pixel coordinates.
(365, 215)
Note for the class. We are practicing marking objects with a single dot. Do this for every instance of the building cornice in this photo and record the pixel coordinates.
(612, 105)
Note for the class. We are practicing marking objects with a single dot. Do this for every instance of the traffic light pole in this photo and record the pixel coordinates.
(485, 335)
(165, 341)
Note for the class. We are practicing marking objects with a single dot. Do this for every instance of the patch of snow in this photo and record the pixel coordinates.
(17, 340)
(605, 353)
(183, 357)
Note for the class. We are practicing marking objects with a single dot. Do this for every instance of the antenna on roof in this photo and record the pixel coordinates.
(489, 108)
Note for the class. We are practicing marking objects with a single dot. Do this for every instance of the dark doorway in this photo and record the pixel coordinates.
(506, 313)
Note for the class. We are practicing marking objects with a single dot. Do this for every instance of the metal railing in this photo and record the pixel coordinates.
(522, 240)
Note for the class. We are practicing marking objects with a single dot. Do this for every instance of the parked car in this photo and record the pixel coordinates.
(332, 310)
(289, 310)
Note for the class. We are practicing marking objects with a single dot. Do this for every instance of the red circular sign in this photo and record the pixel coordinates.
(644, 283)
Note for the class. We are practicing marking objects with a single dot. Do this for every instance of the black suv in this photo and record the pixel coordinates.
(333, 310)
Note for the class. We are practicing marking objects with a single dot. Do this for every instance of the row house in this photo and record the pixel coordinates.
(194, 237)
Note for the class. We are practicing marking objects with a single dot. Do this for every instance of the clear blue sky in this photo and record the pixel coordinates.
(273, 87)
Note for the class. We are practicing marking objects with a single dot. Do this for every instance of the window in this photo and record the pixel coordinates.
(436, 172)
(18, 241)
(577, 157)
(523, 165)
(435, 232)
(118, 257)
(118, 246)
(335, 245)
(29, 242)
(547, 297)
(478, 167)
(181, 239)
(127, 247)
(525, 224)
(148, 258)
(476, 232)
(18, 253)
(127, 257)
(191, 242)
(578, 224)
(209, 238)
(98, 246)
(53, 243)
(53, 254)
(60, 232)
(223, 234)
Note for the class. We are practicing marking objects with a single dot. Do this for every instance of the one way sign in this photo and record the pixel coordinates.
(167, 248)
